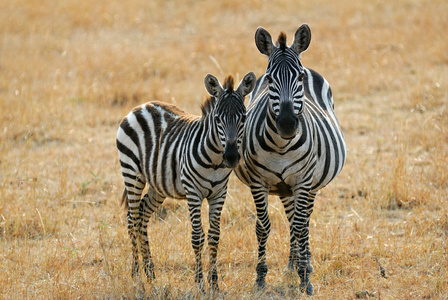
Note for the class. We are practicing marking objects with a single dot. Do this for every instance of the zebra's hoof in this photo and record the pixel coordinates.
(214, 287)
(200, 284)
(259, 285)
(310, 269)
(149, 271)
(307, 288)
(150, 275)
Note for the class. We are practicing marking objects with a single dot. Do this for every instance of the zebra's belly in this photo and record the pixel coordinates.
(169, 190)
(165, 178)
(201, 183)
(283, 181)
(276, 184)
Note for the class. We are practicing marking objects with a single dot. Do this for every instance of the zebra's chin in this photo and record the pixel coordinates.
(288, 134)
(288, 137)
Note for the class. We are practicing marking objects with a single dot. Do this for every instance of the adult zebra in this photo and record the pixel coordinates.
(182, 156)
(293, 146)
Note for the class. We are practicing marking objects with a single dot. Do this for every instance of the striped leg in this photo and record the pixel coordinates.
(262, 229)
(304, 204)
(293, 262)
(150, 202)
(134, 191)
(215, 208)
(197, 236)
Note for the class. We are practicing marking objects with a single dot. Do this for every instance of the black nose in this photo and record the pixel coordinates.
(287, 126)
(287, 122)
(231, 157)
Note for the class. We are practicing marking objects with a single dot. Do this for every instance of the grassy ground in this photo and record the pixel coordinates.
(70, 70)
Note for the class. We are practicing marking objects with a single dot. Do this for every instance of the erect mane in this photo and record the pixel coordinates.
(207, 105)
(281, 42)
(228, 83)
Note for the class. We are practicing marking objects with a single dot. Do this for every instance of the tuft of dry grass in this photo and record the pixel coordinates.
(70, 70)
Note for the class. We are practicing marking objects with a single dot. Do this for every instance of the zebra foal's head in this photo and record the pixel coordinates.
(229, 113)
(285, 75)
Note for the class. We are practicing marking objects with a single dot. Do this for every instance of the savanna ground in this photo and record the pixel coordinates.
(70, 70)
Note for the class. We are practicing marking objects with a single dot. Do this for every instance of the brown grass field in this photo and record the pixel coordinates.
(70, 70)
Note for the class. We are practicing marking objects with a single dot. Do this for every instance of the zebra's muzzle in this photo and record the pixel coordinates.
(287, 122)
(231, 157)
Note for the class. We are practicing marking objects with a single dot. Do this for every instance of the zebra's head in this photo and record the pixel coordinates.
(285, 75)
(229, 113)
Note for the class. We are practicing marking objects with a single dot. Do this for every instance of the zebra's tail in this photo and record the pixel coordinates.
(124, 199)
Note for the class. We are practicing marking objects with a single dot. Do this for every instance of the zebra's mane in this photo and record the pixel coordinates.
(281, 42)
(228, 83)
(209, 103)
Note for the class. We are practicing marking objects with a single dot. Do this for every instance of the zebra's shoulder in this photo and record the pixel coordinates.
(318, 89)
(314, 78)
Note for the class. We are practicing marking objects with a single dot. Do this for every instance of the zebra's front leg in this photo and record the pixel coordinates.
(150, 202)
(215, 208)
(262, 230)
(293, 261)
(197, 238)
(304, 205)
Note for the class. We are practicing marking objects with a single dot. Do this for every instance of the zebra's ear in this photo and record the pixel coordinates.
(212, 85)
(263, 40)
(247, 85)
(302, 39)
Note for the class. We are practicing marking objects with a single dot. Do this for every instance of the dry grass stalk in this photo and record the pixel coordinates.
(69, 71)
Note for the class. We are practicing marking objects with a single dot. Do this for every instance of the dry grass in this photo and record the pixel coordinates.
(69, 70)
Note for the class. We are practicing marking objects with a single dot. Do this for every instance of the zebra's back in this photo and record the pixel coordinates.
(149, 144)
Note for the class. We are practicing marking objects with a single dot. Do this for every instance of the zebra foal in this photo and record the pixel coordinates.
(182, 156)
(293, 146)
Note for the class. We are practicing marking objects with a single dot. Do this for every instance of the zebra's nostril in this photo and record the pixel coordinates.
(288, 122)
(287, 126)
(231, 156)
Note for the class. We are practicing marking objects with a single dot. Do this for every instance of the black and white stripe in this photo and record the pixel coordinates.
(293, 146)
(181, 156)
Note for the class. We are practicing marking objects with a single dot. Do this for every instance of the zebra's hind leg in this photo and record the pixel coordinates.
(132, 196)
(197, 237)
(215, 207)
(135, 270)
(150, 202)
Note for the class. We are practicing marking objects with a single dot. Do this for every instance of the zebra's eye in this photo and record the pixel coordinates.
(301, 76)
(217, 119)
(269, 78)
(243, 118)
